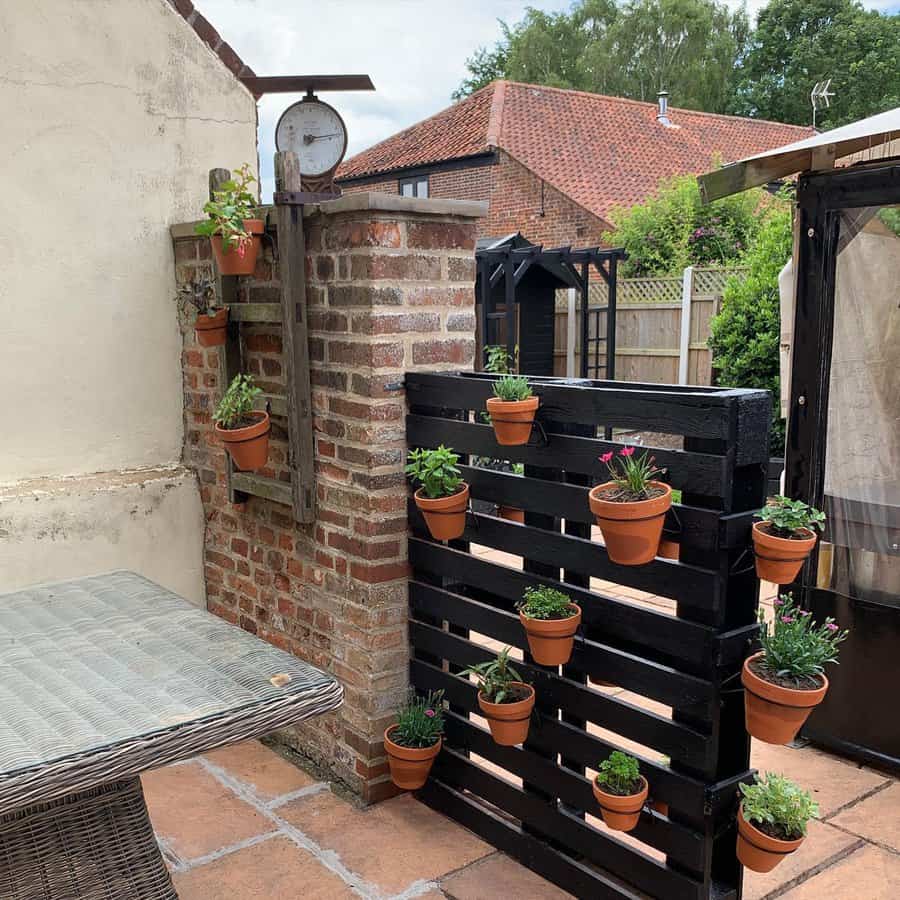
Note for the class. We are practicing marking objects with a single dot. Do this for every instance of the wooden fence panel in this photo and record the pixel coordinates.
(676, 653)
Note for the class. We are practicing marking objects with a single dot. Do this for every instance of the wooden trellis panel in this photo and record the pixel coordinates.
(682, 650)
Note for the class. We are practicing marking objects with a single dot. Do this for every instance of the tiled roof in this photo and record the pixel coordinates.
(211, 37)
(601, 151)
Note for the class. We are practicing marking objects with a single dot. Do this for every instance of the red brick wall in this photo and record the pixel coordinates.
(386, 294)
(516, 201)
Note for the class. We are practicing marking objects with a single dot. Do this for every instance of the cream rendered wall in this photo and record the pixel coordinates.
(113, 111)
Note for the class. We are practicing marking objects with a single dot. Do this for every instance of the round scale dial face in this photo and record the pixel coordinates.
(315, 132)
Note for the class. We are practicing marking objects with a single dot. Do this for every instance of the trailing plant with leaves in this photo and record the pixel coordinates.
(236, 405)
(781, 807)
(632, 474)
(512, 388)
(545, 603)
(619, 774)
(786, 517)
(231, 204)
(435, 471)
(496, 678)
(795, 646)
(420, 722)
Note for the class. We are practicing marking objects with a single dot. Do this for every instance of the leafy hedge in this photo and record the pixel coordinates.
(745, 335)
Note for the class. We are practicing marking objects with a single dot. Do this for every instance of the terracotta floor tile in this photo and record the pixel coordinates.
(390, 845)
(195, 814)
(833, 782)
(499, 876)
(276, 869)
(821, 844)
(877, 818)
(260, 768)
(869, 873)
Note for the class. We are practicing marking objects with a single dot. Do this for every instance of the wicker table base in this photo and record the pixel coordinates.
(94, 845)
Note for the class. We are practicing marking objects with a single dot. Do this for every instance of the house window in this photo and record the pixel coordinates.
(414, 187)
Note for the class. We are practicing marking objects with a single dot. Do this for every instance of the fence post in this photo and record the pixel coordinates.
(571, 315)
(687, 292)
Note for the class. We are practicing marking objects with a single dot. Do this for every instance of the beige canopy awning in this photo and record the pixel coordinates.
(872, 138)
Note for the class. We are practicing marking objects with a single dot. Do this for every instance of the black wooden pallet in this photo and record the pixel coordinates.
(681, 657)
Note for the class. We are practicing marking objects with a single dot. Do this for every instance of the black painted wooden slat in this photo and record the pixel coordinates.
(650, 679)
(664, 577)
(699, 473)
(629, 863)
(557, 867)
(619, 619)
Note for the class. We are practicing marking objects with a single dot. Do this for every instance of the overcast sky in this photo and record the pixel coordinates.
(415, 51)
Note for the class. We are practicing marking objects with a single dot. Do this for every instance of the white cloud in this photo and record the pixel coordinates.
(415, 51)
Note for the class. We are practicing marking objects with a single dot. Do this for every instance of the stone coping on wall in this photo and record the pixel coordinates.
(374, 202)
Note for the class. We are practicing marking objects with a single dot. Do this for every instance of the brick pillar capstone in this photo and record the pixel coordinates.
(390, 289)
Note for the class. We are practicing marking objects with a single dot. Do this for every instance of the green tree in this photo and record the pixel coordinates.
(745, 335)
(673, 229)
(632, 49)
(800, 42)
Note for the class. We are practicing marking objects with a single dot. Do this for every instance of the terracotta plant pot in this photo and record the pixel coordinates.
(550, 640)
(668, 549)
(211, 330)
(248, 446)
(756, 850)
(621, 813)
(231, 261)
(772, 713)
(780, 560)
(512, 419)
(445, 516)
(509, 721)
(660, 806)
(511, 514)
(631, 531)
(409, 765)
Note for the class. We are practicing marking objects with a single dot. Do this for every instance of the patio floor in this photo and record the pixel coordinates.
(246, 824)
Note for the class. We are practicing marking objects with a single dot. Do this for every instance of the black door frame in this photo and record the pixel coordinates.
(821, 197)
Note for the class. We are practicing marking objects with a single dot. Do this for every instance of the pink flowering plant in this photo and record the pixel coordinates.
(420, 721)
(795, 646)
(632, 474)
(232, 203)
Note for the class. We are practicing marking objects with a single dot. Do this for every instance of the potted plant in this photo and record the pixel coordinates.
(414, 742)
(786, 679)
(784, 538)
(211, 323)
(513, 513)
(550, 620)
(621, 790)
(504, 698)
(630, 508)
(243, 430)
(512, 410)
(443, 496)
(232, 229)
(772, 821)
(661, 806)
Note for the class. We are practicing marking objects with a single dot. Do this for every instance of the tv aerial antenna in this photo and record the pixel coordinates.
(820, 98)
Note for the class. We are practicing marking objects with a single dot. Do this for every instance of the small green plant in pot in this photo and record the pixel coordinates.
(772, 821)
(784, 537)
(211, 324)
(620, 790)
(504, 698)
(443, 496)
(414, 742)
(631, 507)
(512, 410)
(786, 680)
(550, 620)
(243, 430)
(232, 227)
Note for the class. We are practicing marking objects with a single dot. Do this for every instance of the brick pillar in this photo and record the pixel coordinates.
(390, 290)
